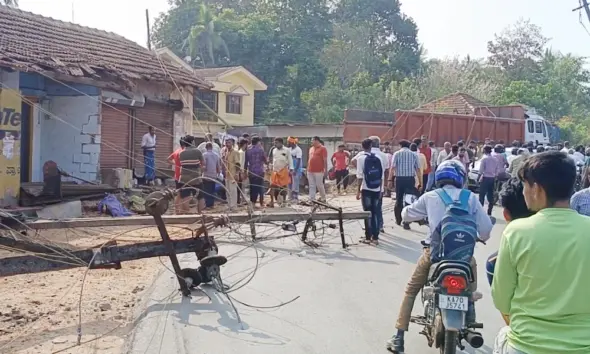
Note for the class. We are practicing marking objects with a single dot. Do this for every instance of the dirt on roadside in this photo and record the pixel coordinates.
(40, 312)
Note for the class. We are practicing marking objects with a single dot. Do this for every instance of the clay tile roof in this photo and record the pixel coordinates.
(456, 103)
(215, 72)
(30, 42)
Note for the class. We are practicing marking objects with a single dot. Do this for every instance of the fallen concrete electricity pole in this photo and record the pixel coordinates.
(48, 257)
(191, 219)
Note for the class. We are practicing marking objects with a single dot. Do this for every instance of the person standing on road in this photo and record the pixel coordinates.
(340, 161)
(282, 169)
(422, 163)
(231, 165)
(317, 167)
(517, 162)
(488, 171)
(370, 176)
(444, 154)
(174, 158)
(514, 207)
(404, 167)
(376, 149)
(209, 139)
(541, 274)
(297, 157)
(191, 165)
(427, 152)
(388, 156)
(242, 147)
(148, 145)
(433, 163)
(254, 167)
(211, 172)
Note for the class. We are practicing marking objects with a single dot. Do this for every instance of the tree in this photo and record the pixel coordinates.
(389, 35)
(518, 49)
(204, 42)
(561, 89)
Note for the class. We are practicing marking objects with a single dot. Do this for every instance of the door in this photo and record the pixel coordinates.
(161, 117)
(26, 131)
(115, 149)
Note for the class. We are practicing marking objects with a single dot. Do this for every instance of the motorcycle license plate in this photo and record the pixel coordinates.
(449, 302)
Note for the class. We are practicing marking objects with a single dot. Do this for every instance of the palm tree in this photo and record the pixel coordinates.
(204, 39)
(11, 3)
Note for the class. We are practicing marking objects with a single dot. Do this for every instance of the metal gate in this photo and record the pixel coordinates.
(161, 117)
(115, 151)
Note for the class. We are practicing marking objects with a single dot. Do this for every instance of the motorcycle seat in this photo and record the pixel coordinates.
(437, 268)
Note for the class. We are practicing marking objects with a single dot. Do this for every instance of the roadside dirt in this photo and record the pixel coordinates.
(40, 312)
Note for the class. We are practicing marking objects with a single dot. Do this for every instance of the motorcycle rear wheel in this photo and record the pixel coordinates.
(450, 343)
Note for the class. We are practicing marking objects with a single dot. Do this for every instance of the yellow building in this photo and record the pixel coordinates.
(231, 98)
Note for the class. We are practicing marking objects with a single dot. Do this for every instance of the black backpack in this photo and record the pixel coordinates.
(373, 171)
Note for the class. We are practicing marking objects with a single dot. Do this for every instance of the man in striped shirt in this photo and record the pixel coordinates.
(190, 181)
(405, 168)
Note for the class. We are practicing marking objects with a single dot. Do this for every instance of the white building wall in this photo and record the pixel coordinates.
(70, 135)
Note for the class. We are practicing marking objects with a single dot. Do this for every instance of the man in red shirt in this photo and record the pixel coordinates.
(425, 149)
(340, 161)
(175, 160)
(317, 167)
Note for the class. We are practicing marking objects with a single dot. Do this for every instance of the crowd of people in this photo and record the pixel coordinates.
(209, 172)
(538, 274)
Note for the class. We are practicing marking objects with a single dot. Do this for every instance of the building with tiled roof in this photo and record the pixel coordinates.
(30, 42)
(83, 98)
(456, 103)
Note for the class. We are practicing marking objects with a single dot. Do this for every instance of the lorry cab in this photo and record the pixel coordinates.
(537, 129)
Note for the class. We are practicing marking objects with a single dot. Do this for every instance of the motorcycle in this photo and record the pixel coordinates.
(446, 298)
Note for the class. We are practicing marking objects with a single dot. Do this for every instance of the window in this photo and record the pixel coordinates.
(233, 104)
(204, 100)
(530, 126)
(538, 127)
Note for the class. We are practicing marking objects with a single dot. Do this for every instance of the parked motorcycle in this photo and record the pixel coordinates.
(446, 297)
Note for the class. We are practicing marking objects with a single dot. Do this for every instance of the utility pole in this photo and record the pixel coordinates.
(584, 6)
(147, 21)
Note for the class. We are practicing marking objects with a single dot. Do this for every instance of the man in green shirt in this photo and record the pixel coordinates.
(541, 274)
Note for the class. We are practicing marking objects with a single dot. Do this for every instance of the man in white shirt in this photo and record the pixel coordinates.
(209, 139)
(371, 196)
(282, 169)
(297, 157)
(578, 156)
(566, 147)
(148, 145)
(444, 153)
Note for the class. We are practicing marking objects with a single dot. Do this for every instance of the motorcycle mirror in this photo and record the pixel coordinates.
(493, 220)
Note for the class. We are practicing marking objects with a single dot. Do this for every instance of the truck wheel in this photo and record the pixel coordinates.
(450, 344)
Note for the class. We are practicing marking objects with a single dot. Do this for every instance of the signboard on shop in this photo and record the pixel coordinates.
(10, 141)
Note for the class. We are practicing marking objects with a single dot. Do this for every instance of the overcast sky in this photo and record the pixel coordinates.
(447, 27)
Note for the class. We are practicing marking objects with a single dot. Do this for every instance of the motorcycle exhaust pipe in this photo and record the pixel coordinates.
(474, 339)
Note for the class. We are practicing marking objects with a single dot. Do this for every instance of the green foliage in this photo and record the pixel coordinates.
(321, 57)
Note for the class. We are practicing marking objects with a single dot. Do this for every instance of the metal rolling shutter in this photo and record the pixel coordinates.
(115, 129)
(161, 117)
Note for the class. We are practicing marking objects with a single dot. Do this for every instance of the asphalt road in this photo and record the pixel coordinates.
(347, 301)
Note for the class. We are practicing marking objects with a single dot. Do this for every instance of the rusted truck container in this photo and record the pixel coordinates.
(441, 127)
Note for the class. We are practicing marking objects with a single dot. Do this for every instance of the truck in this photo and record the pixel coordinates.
(499, 123)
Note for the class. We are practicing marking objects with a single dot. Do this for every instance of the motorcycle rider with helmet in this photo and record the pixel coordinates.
(450, 176)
